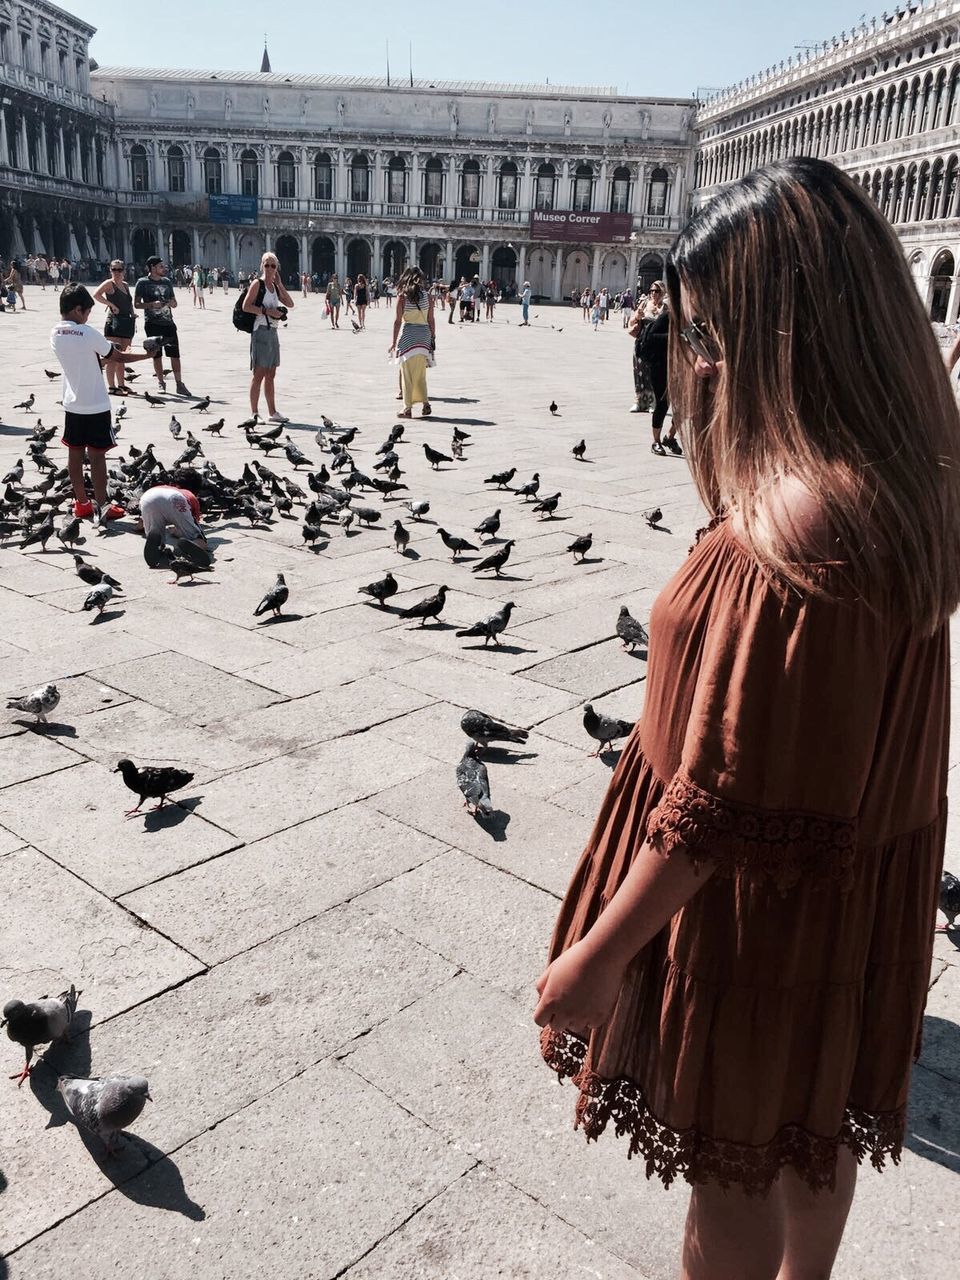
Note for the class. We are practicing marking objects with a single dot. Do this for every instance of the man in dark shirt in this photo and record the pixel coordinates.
(155, 296)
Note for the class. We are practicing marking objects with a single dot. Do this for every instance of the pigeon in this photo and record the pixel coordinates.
(579, 450)
(949, 900)
(37, 703)
(153, 401)
(400, 537)
(70, 531)
(604, 728)
(428, 607)
(200, 556)
(547, 506)
(311, 532)
(39, 1022)
(381, 590)
(491, 626)
(496, 561)
(215, 427)
(345, 518)
(296, 455)
(247, 423)
(580, 546)
(489, 526)
(456, 545)
(155, 781)
(501, 478)
(653, 517)
(98, 598)
(275, 598)
(91, 575)
(105, 1104)
(473, 781)
(368, 515)
(456, 448)
(183, 568)
(121, 413)
(175, 428)
(630, 631)
(483, 729)
(26, 404)
(389, 459)
(554, 407)
(417, 509)
(201, 406)
(460, 436)
(15, 474)
(42, 534)
(356, 327)
(435, 457)
(51, 374)
(529, 490)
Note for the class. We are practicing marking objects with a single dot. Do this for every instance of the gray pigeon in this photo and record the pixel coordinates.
(630, 631)
(381, 590)
(417, 509)
(39, 1022)
(367, 515)
(38, 703)
(547, 506)
(489, 526)
(428, 607)
(98, 598)
(456, 545)
(491, 627)
(580, 546)
(400, 537)
(496, 560)
(529, 490)
(483, 729)
(501, 478)
(473, 781)
(605, 729)
(275, 598)
(105, 1104)
(91, 575)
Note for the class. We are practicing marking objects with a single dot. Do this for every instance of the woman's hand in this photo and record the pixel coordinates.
(114, 309)
(391, 350)
(578, 990)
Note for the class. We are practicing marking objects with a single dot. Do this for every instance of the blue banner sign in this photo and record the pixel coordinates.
(238, 211)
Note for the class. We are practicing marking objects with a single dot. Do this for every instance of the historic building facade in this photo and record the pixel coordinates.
(359, 175)
(58, 177)
(883, 103)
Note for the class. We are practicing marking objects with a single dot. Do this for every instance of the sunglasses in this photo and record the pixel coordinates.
(116, 268)
(701, 343)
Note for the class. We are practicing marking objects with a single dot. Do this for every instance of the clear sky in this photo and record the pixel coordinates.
(666, 49)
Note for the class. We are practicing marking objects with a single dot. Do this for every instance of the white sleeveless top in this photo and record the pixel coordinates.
(271, 301)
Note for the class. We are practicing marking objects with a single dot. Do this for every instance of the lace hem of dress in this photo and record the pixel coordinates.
(696, 1158)
(782, 845)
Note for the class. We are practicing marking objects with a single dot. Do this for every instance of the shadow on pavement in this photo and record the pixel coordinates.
(933, 1117)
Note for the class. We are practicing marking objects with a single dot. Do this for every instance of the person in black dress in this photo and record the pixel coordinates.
(121, 323)
(653, 351)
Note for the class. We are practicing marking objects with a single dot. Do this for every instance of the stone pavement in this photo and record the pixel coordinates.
(324, 966)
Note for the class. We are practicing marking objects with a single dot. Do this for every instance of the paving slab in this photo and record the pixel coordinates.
(591, 672)
(27, 754)
(332, 664)
(233, 903)
(197, 691)
(246, 1190)
(513, 699)
(88, 649)
(97, 843)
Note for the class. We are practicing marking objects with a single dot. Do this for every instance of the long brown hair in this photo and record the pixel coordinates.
(831, 374)
(410, 283)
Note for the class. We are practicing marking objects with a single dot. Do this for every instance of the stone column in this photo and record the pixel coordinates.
(453, 195)
(62, 157)
(269, 174)
(638, 192)
(4, 150)
(414, 194)
(195, 243)
(566, 195)
(24, 143)
(557, 274)
(595, 269)
(44, 153)
(304, 252)
(601, 198)
(526, 195)
(229, 170)
(489, 195)
(521, 267)
(485, 261)
(304, 192)
(376, 265)
(232, 249)
(632, 270)
(341, 257)
(412, 253)
(448, 260)
(342, 191)
(78, 160)
(195, 176)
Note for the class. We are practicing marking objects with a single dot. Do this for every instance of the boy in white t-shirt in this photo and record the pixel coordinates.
(88, 423)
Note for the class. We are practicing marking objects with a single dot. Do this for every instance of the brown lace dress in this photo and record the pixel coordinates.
(800, 744)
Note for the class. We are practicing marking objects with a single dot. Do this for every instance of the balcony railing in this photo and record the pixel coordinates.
(59, 186)
(54, 91)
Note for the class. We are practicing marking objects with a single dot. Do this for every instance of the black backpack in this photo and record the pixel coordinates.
(243, 320)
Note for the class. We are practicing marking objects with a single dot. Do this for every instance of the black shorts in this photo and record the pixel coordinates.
(88, 431)
(169, 338)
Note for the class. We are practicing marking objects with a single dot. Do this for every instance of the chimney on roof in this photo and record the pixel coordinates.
(265, 60)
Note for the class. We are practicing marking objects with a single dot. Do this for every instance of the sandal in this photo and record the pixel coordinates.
(405, 413)
(426, 411)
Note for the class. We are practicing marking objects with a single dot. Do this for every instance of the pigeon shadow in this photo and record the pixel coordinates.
(143, 1173)
(506, 755)
(423, 520)
(591, 560)
(610, 757)
(504, 577)
(284, 617)
(933, 1130)
(498, 648)
(106, 616)
(463, 422)
(639, 653)
(547, 519)
(659, 528)
(453, 400)
(51, 729)
(70, 1058)
(494, 824)
(171, 815)
(589, 461)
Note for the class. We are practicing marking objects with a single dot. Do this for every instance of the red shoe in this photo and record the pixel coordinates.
(83, 509)
(113, 512)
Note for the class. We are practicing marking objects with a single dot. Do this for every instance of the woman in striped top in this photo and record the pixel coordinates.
(414, 339)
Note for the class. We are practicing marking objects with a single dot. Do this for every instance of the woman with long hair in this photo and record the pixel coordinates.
(740, 965)
(265, 297)
(333, 301)
(362, 299)
(652, 346)
(121, 323)
(414, 340)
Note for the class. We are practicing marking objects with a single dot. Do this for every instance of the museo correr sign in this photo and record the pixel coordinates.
(567, 224)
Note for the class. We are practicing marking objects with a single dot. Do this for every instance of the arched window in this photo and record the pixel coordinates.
(939, 99)
(212, 172)
(620, 190)
(507, 186)
(360, 179)
(139, 169)
(176, 169)
(249, 173)
(909, 194)
(397, 181)
(322, 177)
(657, 195)
(470, 185)
(923, 192)
(546, 184)
(951, 114)
(896, 208)
(433, 182)
(886, 193)
(949, 188)
(583, 188)
(926, 103)
(936, 187)
(286, 176)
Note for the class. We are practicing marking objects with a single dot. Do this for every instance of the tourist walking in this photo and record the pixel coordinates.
(603, 302)
(525, 303)
(740, 966)
(120, 325)
(14, 284)
(414, 340)
(654, 340)
(154, 295)
(333, 301)
(196, 287)
(362, 299)
(348, 295)
(266, 299)
(490, 299)
(54, 271)
(586, 301)
(452, 299)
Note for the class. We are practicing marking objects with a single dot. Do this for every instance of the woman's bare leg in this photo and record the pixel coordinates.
(814, 1220)
(268, 379)
(255, 382)
(732, 1236)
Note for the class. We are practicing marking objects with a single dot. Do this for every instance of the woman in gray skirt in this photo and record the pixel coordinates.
(266, 299)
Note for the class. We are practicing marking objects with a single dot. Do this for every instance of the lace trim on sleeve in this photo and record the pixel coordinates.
(784, 845)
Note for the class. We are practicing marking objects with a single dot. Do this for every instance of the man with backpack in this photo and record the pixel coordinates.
(155, 297)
